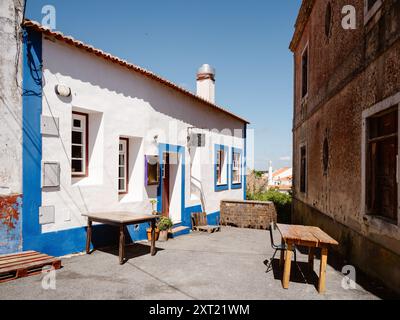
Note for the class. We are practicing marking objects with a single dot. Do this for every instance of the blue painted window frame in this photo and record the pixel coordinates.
(237, 185)
(225, 186)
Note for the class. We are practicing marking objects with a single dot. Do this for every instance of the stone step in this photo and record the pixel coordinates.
(178, 231)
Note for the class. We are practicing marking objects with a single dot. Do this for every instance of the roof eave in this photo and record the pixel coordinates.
(301, 21)
(71, 41)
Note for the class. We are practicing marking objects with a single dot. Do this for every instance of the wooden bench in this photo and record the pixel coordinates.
(199, 223)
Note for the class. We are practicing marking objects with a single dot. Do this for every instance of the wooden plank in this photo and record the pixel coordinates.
(18, 257)
(322, 271)
(23, 253)
(22, 263)
(22, 259)
(44, 262)
(322, 236)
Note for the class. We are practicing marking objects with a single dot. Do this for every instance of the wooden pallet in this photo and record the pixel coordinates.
(199, 222)
(23, 264)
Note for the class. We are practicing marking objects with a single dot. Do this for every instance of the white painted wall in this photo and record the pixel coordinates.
(122, 103)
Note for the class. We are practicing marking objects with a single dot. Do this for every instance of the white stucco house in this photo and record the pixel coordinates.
(101, 134)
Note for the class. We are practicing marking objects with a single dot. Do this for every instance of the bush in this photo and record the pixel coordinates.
(165, 224)
(282, 201)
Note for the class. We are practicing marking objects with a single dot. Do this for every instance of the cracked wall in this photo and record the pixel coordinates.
(11, 13)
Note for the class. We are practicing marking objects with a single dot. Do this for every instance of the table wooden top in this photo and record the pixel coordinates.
(305, 235)
(120, 217)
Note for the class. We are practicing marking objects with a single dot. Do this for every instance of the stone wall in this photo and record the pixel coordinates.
(350, 72)
(248, 214)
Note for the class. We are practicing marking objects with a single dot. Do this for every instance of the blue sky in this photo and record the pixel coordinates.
(246, 41)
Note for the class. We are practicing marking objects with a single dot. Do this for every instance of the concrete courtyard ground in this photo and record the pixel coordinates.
(227, 265)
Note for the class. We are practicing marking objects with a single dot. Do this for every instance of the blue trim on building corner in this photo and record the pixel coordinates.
(221, 187)
(233, 184)
(31, 137)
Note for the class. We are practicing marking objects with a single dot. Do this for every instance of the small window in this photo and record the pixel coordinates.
(221, 168)
(123, 163)
(220, 157)
(236, 168)
(303, 169)
(152, 170)
(328, 20)
(382, 157)
(79, 145)
(304, 73)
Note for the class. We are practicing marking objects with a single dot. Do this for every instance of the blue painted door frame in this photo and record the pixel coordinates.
(180, 150)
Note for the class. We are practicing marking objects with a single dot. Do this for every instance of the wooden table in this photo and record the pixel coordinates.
(121, 220)
(311, 237)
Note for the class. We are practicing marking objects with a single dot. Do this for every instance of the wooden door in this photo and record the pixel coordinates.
(165, 186)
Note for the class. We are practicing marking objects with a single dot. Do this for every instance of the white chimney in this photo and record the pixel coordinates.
(206, 83)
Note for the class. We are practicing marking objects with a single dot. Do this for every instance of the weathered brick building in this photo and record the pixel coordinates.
(345, 129)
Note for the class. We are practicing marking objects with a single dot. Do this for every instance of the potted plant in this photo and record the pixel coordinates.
(157, 231)
(153, 203)
(164, 225)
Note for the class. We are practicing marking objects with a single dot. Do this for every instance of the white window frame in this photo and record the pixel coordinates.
(377, 108)
(124, 151)
(83, 118)
(368, 14)
(237, 167)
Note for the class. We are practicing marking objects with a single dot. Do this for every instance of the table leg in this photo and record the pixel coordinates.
(288, 263)
(121, 244)
(311, 254)
(322, 270)
(153, 238)
(282, 259)
(88, 236)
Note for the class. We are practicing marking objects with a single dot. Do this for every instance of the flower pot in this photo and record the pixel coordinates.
(163, 235)
(157, 233)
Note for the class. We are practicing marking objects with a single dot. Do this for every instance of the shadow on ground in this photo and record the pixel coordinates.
(132, 251)
(299, 272)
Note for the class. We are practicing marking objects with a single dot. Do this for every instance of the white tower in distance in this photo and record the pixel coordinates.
(270, 181)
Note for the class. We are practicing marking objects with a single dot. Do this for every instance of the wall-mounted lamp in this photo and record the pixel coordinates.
(62, 90)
